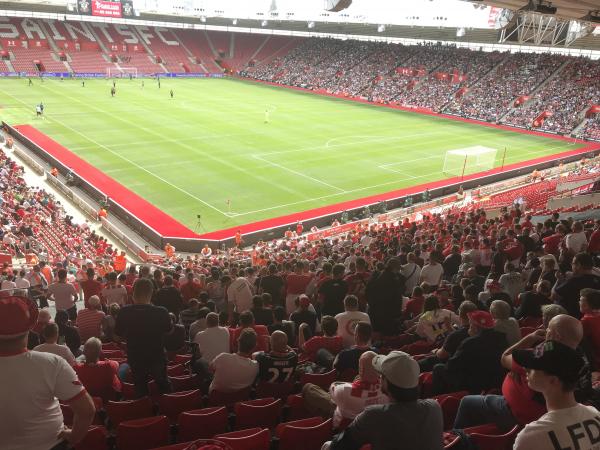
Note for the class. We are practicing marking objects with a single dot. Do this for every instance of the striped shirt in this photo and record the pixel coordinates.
(89, 323)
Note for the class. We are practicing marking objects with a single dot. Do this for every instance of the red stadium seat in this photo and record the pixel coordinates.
(495, 441)
(202, 423)
(323, 380)
(143, 434)
(185, 382)
(128, 391)
(171, 405)
(252, 439)
(263, 413)
(118, 412)
(277, 390)
(304, 437)
(296, 409)
(177, 370)
(182, 359)
(95, 439)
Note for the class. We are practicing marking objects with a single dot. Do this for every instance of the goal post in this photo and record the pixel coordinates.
(121, 72)
(465, 161)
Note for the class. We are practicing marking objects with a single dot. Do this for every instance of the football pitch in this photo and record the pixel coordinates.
(209, 151)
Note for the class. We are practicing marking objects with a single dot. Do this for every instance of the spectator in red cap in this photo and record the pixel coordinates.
(553, 369)
(475, 366)
(31, 386)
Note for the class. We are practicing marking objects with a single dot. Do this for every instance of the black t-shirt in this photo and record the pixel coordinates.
(333, 292)
(276, 368)
(569, 291)
(273, 284)
(531, 305)
(144, 328)
(348, 358)
(454, 339)
(306, 316)
(262, 316)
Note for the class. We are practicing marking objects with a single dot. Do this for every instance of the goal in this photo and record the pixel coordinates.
(121, 72)
(465, 161)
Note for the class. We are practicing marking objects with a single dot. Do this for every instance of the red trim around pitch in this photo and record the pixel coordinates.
(165, 225)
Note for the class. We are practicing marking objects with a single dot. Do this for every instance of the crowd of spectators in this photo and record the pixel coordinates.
(493, 81)
(566, 97)
(494, 95)
(447, 299)
(34, 224)
(592, 128)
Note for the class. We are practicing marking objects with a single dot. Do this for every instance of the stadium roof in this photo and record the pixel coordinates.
(569, 9)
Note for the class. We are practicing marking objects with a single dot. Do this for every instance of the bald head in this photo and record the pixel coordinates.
(279, 341)
(366, 371)
(565, 329)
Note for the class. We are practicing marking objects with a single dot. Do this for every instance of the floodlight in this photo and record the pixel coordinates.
(311, 24)
(381, 28)
(264, 23)
(234, 21)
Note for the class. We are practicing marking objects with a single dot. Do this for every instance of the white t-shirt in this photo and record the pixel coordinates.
(57, 349)
(347, 322)
(576, 242)
(64, 295)
(411, 272)
(6, 285)
(22, 283)
(212, 342)
(239, 293)
(114, 294)
(31, 385)
(432, 274)
(233, 372)
(351, 400)
(431, 324)
(569, 428)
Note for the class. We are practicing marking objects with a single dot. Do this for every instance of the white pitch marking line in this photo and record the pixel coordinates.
(129, 161)
(299, 174)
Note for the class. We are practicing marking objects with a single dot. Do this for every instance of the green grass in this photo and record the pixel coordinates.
(188, 155)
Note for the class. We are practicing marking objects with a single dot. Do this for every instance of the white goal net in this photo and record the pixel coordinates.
(465, 161)
(121, 72)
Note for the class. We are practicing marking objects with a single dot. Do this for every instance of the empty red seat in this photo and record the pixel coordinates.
(495, 441)
(118, 412)
(263, 413)
(185, 382)
(323, 380)
(277, 390)
(176, 370)
(128, 391)
(202, 423)
(112, 354)
(218, 398)
(296, 409)
(95, 439)
(143, 434)
(198, 444)
(171, 405)
(292, 437)
(252, 439)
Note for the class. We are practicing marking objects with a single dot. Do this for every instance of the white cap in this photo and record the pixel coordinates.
(398, 368)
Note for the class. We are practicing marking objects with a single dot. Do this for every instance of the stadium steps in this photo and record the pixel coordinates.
(103, 47)
(143, 42)
(9, 66)
(215, 53)
(532, 94)
(53, 46)
(483, 76)
(258, 50)
(581, 126)
(273, 49)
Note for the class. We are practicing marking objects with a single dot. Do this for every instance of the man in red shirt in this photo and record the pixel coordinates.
(589, 304)
(262, 333)
(321, 349)
(296, 284)
(99, 377)
(552, 242)
(90, 287)
(191, 288)
(594, 243)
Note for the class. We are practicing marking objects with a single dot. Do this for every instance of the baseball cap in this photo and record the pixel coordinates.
(17, 316)
(482, 319)
(552, 357)
(398, 368)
